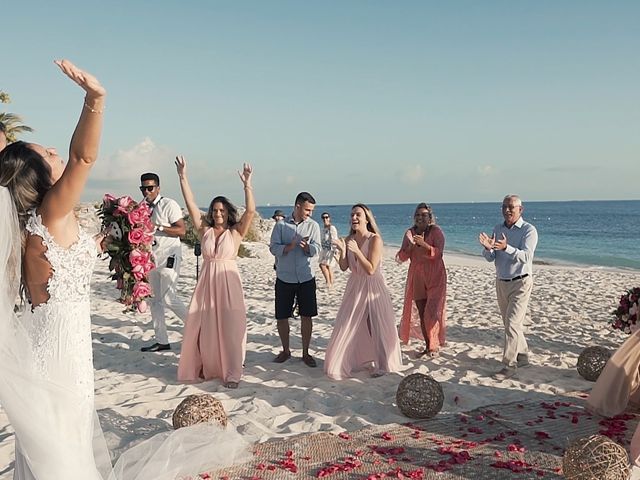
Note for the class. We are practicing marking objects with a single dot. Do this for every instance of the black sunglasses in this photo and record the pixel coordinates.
(326, 216)
(147, 188)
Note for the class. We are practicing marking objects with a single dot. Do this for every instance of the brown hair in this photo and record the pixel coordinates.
(27, 177)
(432, 217)
(232, 211)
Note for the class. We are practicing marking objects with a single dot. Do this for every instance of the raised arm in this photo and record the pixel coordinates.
(187, 194)
(83, 152)
(244, 224)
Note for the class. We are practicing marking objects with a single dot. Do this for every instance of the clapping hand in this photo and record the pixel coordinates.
(419, 240)
(85, 80)
(340, 245)
(181, 166)
(486, 241)
(352, 246)
(245, 175)
(501, 244)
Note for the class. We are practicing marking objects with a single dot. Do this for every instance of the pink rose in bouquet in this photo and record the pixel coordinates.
(141, 290)
(130, 236)
(136, 236)
(125, 205)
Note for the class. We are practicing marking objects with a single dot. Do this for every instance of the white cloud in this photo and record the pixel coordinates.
(412, 174)
(486, 170)
(119, 173)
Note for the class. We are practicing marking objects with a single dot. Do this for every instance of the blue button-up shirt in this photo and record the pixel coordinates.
(295, 266)
(517, 258)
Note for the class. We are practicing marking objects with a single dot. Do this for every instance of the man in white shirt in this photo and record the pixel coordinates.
(167, 217)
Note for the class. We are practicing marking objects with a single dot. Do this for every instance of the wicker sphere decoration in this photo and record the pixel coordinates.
(419, 396)
(595, 457)
(591, 362)
(199, 409)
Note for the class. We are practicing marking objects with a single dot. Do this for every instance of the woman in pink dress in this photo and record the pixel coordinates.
(364, 335)
(423, 314)
(619, 385)
(215, 332)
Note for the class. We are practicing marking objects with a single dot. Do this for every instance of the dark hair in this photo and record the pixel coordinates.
(27, 177)
(427, 207)
(305, 197)
(232, 211)
(325, 213)
(372, 226)
(3, 128)
(150, 176)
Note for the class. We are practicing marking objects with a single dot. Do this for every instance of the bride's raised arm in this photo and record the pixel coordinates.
(83, 152)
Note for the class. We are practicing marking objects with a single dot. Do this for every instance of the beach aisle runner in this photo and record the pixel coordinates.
(517, 440)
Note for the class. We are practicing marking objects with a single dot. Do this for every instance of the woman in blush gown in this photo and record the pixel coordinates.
(424, 310)
(364, 335)
(215, 331)
(618, 386)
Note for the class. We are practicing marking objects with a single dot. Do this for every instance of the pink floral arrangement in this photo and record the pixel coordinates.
(129, 238)
(626, 315)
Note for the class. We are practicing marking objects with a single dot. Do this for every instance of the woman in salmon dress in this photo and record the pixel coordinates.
(364, 335)
(215, 333)
(425, 298)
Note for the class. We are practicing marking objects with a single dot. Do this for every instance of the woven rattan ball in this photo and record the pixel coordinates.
(419, 396)
(199, 409)
(591, 362)
(595, 458)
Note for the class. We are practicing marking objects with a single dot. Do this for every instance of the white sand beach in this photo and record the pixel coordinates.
(137, 392)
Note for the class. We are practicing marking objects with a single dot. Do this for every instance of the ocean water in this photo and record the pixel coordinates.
(601, 233)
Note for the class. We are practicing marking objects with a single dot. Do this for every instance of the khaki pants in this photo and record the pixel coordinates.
(513, 299)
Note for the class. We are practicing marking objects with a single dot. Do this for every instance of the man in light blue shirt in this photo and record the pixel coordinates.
(511, 247)
(295, 241)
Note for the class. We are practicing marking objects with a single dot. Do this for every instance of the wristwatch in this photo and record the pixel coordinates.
(161, 228)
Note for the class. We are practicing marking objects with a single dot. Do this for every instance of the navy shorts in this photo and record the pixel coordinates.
(286, 294)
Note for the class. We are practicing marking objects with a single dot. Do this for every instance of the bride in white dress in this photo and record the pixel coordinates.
(46, 364)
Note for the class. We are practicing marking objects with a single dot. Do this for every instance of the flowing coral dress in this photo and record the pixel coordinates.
(215, 333)
(427, 277)
(364, 335)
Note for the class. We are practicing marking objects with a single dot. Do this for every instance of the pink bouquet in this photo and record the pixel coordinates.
(627, 314)
(129, 239)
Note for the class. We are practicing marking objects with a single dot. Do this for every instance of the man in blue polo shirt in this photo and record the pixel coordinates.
(294, 243)
(511, 247)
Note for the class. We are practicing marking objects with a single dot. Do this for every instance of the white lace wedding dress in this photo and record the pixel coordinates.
(46, 378)
(60, 368)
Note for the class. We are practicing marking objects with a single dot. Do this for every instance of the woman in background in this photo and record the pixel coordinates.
(423, 313)
(215, 332)
(328, 253)
(364, 335)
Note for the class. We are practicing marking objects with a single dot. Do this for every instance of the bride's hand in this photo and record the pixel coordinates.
(85, 80)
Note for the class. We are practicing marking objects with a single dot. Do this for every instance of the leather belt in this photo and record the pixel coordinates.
(519, 277)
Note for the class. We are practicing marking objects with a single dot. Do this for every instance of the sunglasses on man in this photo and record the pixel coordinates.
(147, 188)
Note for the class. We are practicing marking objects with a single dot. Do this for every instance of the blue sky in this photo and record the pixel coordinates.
(372, 101)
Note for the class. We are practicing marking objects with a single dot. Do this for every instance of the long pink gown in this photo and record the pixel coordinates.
(429, 271)
(364, 335)
(618, 385)
(215, 333)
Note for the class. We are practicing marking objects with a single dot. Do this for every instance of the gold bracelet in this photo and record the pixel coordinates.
(92, 110)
